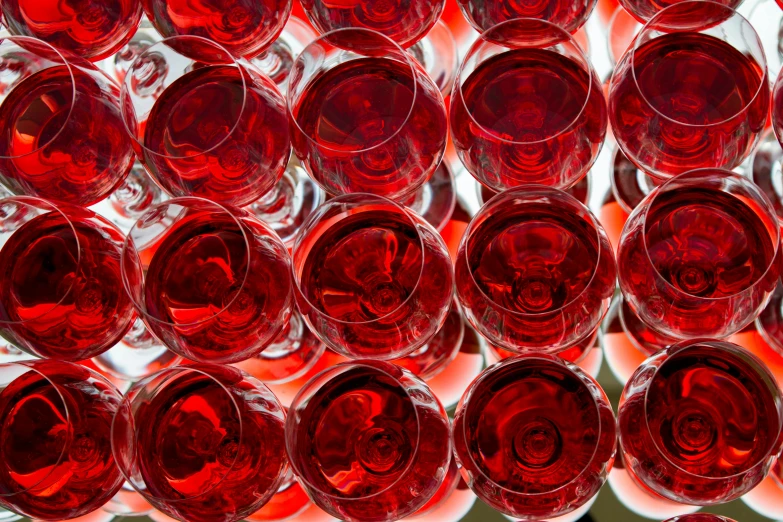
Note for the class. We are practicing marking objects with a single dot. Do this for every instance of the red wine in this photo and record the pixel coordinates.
(447, 487)
(700, 264)
(244, 27)
(529, 116)
(541, 430)
(93, 29)
(684, 101)
(64, 147)
(207, 452)
(643, 10)
(698, 422)
(367, 445)
(362, 127)
(55, 451)
(61, 299)
(213, 136)
(580, 191)
(211, 295)
(568, 14)
(574, 354)
(289, 502)
(432, 358)
(404, 21)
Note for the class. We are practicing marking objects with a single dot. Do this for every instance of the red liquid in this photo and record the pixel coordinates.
(574, 354)
(56, 462)
(580, 191)
(568, 14)
(695, 249)
(643, 10)
(289, 502)
(432, 358)
(66, 301)
(363, 440)
(533, 123)
(207, 144)
(194, 455)
(59, 149)
(93, 29)
(404, 21)
(691, 112)
(703, 433)
(199, 279)
(357, 133)
(370, 273)
(243, 27)
(539, 431)
(447, 487)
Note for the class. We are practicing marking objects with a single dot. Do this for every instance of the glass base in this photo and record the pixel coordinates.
(276, 62)
(432, 358)
(766, 17)
(436, 199)
(766, 170)
(133, 198)
(581, 191)
(118, 65)
(437, 53)
(138, 355)
(286, 207)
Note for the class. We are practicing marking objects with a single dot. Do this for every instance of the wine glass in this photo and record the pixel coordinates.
(92, 29)
(580, 191)
(700, 422)
(535, 436)
(644, 10)
(368, 441)
(214, 128)
(201, 442)
(770, 321)
(365, 117)
(245, 28)
(61, 294)
(128, 503)
(442, 495)
(568, 14)
(61, 130)
(527, 107)
(535, 271)
(700, 517)
(436, 199)
(698, 257)
(766, 168)
(211, 282)
(373, 279)
(622, 30)
(692, 91)
(55, 458)
(574, 354)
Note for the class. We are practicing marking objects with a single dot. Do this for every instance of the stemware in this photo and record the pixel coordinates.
(211, 282)
(535, 436)
(365, 117)
(214, 128)
(700, 517)
(580, 191)
(527, 107)
(61, 294)
(535, 270)
(55, 458)
(698, 256)
(568, 14)
(201, 442)
(643, 10)
(700, 422)
(92, 29)
(765, 168)
(61, 130)
(288, 503)
(692, 91)
(368, 441)
(372, 279)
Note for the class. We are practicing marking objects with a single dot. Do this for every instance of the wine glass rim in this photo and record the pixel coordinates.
(751, 362)
(186, 202)
(532, 191)
(325, 38)
(174, 373)
(5, 35)
(763, 81)
(571, 368)
(127, 104)
(583, 62)
(353, 198)
(338, 369)
(715, 173)
(41, 204)
(34, 366)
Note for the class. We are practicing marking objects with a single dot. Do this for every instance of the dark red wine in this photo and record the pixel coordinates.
(369, 447)
(289, 502)
(686, 100)
(61, 299)
(61, 148)
(643, 10)
(55, 452)
(360, 127)
(529, 116)
(574, 354)
(404, 21)
(539, 430)
(93, 29)
(211, 135)
(447, 487)
(698, 422)
(432, 358)
(244, 27)
(568, 14)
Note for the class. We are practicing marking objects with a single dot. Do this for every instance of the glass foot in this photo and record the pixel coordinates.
(118, 65)
(629, 184)
(138, 355)
(436, 199)
(437, 53)
(133, 198)
(276, 62)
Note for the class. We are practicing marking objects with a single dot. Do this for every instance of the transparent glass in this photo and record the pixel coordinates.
(643, 10)
(568, 14)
